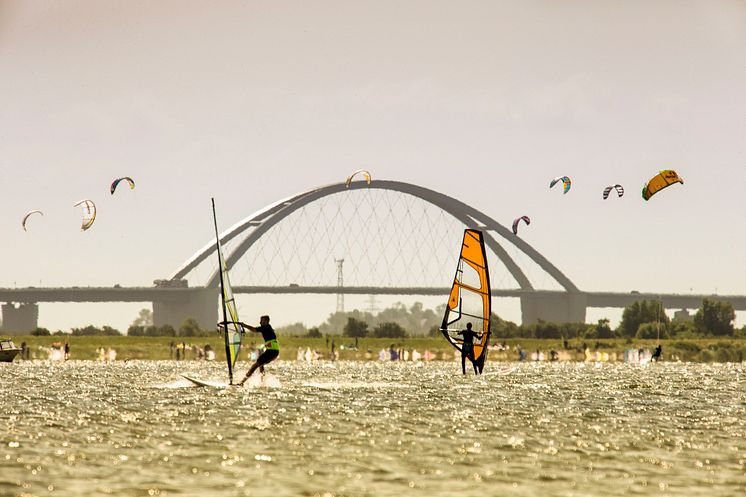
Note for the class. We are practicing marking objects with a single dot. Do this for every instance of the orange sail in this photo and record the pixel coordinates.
(469, 300)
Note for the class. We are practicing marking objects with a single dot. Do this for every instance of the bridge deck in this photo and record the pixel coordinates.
(159, 294)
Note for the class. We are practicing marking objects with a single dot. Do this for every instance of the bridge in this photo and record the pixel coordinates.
(396, 239)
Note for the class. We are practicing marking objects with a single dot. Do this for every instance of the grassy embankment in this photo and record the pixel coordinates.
(159, 348)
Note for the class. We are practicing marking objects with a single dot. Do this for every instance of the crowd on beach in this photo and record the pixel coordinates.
(184, 351)
(179, 351)
(58, 351)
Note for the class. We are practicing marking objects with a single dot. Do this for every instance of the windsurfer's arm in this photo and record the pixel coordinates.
(243, 325)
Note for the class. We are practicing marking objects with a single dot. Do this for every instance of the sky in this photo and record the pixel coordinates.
(485, 101)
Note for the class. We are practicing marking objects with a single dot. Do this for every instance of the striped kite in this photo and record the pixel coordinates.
(619, 190)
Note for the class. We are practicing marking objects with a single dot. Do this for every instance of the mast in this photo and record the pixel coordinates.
(658, 320)
(222, 295)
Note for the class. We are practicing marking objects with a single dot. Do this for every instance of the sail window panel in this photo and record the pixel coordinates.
(469, 276)
(472, 311)
(453, 315)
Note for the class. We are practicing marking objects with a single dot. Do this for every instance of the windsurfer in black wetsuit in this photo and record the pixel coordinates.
(656, 354)
(467, 349)
(270, 342)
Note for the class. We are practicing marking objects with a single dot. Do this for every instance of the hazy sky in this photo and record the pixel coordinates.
(484, 101)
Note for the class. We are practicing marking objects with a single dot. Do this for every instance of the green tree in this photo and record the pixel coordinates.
(38, 332)
(295, 329)
(313, 333)
(136, 331)
(164, 331)
(355, 328)
(416, 319)
(144, 318)
(389, 330)
(153, 331)
(683, 329)
(646, 311)
(715, 317)
(190, 328)
(499, 327)
(109, 331)
(91, 330)
(590, 332)
(420, 320)
(603, 330)
(652, 331)
(544, 329)
(336, 322)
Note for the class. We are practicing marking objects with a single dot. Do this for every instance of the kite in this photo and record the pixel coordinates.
(89, 213)
(125, 178)
(619, 190)
(566, 183)
(365, 173)
(518, 220)
(660, 181)
(28, 214)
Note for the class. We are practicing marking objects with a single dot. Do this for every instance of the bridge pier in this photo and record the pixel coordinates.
(556, 307)
(19, 319)
(199, 303)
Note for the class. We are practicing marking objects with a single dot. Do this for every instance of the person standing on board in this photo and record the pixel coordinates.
(467, 349)
(270, 341)
(657, 354)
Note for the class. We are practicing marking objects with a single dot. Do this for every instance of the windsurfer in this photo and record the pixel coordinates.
(656, 354)
(467, 349)
(270, 341)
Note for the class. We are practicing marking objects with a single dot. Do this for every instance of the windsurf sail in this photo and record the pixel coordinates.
(469, 300)
(230, 327)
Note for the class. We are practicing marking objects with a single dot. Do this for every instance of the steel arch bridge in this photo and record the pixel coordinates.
(564, 303)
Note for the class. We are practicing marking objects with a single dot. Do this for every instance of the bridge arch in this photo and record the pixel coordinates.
(263, 220)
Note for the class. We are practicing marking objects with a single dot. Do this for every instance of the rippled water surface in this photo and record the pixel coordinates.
(372, 429)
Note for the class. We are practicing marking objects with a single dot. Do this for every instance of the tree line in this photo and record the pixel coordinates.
(189, 328)
(645, 319)
(641, 319)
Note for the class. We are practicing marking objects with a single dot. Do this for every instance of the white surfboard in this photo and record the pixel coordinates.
(206, 383)
(501, 371)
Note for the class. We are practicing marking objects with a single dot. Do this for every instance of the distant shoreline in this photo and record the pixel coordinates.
(161, 348)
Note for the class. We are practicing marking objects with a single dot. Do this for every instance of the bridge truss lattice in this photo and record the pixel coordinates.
(390, 234)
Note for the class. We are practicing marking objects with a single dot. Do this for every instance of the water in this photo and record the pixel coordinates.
(372, 429)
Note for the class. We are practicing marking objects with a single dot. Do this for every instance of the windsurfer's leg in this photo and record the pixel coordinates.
(473, 361)
(265, 358)
(250, 372)
(463, 363)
